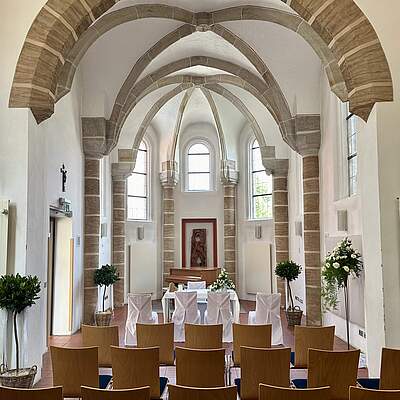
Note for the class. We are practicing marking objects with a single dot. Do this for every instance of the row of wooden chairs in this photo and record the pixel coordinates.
(176, 392)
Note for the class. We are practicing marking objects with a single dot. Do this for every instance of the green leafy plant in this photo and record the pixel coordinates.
(223, 282)
(105, 276)
(289, 271)
(17, 293)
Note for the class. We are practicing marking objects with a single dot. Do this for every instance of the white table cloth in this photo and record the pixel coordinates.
(169, 297)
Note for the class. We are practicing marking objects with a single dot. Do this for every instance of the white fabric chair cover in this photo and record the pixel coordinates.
(139, 310)
(219, 312)
(268, 311)
(185, 311)
(194, 285)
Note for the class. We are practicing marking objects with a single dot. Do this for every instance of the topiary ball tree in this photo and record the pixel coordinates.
(289, 271)
(105, 276)
(17, 293)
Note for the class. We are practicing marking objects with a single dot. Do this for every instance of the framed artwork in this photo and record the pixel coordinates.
(199, 243)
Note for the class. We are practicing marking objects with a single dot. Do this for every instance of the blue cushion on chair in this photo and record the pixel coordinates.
(369, 383)
(292, 358)
(300, 383)
(237, 383)
(104, 380)
(163, 384)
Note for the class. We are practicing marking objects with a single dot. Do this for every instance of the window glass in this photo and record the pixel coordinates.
(351, 125)
(198, 168)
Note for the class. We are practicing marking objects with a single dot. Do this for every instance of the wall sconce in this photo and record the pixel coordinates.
(140, 232)
(298, 227)
(258, 231)
(342, 221)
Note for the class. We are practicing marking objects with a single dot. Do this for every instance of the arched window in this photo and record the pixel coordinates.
(198, 168)
(137, 187)
(260, 185)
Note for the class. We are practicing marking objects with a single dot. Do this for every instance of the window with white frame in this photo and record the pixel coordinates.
(351, 131)
(138, 186)
(198, 168)
(260, 185)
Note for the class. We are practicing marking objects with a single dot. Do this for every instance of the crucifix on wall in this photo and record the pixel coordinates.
(64, 177)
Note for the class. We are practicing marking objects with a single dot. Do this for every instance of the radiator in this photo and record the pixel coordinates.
(4, 212)
(257, 264)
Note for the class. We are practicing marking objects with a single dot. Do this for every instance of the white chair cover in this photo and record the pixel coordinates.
(139, 310)
(185, 311)
(219, 312)
(268, 311)
(194, 285)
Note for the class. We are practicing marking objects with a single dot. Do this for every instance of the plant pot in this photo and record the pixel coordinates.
(103, 318)
(294, 315)
(22, 379)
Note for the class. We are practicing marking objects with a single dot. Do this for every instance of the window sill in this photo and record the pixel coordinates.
(144, 221)
(259, 219)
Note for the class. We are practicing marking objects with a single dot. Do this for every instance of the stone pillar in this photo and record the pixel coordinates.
(229, 181)
(168, 178)
(312, 252)
(91, 235)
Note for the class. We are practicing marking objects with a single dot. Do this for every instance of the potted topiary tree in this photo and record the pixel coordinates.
(105, 276)
(290, 271)
(16, 294)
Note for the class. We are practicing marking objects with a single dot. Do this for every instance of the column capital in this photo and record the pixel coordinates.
(229, 173)
(94, 137)
(276, 166)
(169, 174)
(308, 134)
(120, 171)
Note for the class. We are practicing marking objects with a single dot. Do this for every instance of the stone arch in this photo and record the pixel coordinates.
(63, 32)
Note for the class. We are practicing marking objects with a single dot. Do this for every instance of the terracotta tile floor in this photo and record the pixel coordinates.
(119, 319)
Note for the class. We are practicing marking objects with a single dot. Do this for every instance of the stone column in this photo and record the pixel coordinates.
(91, 235)
(229, 178)
(169, 179)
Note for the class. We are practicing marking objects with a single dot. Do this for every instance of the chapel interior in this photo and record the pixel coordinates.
(199, 199)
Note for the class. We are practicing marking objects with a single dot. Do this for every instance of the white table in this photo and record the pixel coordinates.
(168, 301)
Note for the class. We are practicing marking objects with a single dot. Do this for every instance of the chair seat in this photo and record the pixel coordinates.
(104, 380)
(369, 383)
(300, 383)
(163, 384)
(237, 383)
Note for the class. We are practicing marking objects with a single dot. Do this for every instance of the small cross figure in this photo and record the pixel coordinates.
(64, 177)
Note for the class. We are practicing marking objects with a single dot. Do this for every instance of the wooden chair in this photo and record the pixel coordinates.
(128, 394)
(76, 367)
(267, 392)
(268, 366)
(258, 336)
(200, 368)
(203, 336)
(183, 393)
(337, 369)
(157, 335)
(103, 337)
(307, 337)
(54, 393)
(136, 368)
(357, 393)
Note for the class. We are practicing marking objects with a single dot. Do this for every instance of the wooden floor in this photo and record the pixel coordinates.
(119, 320)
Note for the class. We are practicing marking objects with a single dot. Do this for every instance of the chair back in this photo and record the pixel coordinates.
(185, 307)
(308, 337)
(258, 336)
(127, 394)
(219, 307)
(268, 366)
(103, 337)
(195, 285)
(158, 335)
(73, 368)
(267, 392)
(390, 367)
(268, 311)
(337, 369)
(184, 393)
(54, 393)
(136, 368)
(200, 368)
(357, 393)
(203, 336)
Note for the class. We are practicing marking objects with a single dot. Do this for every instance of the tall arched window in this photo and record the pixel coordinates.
(198, 168)
(260, 185)
(137, 187)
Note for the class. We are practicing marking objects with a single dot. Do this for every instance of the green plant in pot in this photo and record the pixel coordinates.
(16, 294)
(105, 277)
(290, 271)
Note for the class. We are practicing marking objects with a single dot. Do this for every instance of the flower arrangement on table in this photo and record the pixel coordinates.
(223, 282)
(340, 264)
